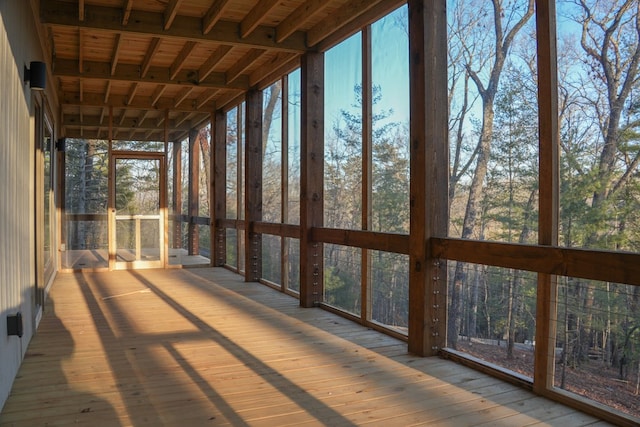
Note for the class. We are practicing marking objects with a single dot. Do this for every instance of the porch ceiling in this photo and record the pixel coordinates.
(176, 61)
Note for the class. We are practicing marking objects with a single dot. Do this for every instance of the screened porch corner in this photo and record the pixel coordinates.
(203, 347)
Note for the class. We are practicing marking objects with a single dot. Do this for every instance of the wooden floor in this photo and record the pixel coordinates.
(199, 347)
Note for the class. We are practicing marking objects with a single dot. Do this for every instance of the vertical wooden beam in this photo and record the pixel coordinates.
(164, 190)
(284, 180)
(253, 184)
(240, 184)
(219, 187)
(111, 190)
(312, 178)
(194, 191)
(429, 173)
(177, 194)
(546, 306)
(367, 165)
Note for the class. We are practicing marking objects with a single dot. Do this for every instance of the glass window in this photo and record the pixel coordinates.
(390, 124)
(272, 153)
(86, 201)
(343, 135)
(293, 144)
(493, 122)
(599, 126)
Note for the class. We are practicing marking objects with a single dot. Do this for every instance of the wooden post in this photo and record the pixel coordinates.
(429, 173)
(194, 191)
(284, 187)
(218, 188)
(253, 184)
(367, 166)
(312, 178)
(546, 306)
(177, 195)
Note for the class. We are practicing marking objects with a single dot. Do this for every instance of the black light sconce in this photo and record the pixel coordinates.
(61, 144)
(14, 325)
(36, 75)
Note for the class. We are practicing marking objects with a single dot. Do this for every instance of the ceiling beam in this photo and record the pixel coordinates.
(256, 16)
(107, 91)
(116, 53)
(138, 103)
(212, 61)
(153, 49)
(126, 11)
(132, 93)
(73, 120)
(178, 63)
(98, 133)
(170, 13)
(144, 23)
(157, 94)
(273, 70)
(383, 7)
(337, 20)
(298, 17)
(213, 15)
(182, 95)
(206, 97)
(80, 49)
(81, 10)
(156, 75)
(242, 64)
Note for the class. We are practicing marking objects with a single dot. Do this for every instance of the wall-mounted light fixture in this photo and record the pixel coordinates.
(14, 325)
(61, 144)
(36, 75)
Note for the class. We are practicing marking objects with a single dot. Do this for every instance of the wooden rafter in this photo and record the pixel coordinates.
(81, 10)
(256, 16)
(178, 63)
(302, 14)
(139, 102)
(116, 53)
(337, 20)
(58, 13)
(206, 97)
(212, 61)
(143, 117)
(182, 95)
(157, 94)
(80, 49)
(241, 65)
(107, 91)
(170, 13)
(273, 69)
(126, 11)
(74, 120)
(157, 75)
(153, 49)
(132, 93)
(213, 15)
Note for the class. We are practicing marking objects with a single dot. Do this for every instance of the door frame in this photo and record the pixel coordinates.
(114, 264)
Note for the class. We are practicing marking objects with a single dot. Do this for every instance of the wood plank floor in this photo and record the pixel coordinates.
(199, 347)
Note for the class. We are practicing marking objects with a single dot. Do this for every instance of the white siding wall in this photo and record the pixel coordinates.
(18, 46)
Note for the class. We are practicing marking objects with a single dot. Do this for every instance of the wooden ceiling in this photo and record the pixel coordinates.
(177, 61)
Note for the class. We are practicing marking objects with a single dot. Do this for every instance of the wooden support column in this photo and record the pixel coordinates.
(194, 191)
(311, 178)
(547, 293)
(367, 166)
(177, 195)
(218, 188)
(429, 174)
(284, 187)
(253, 184)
